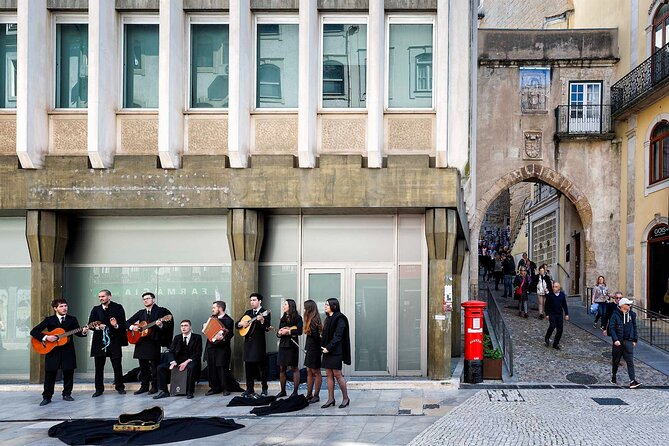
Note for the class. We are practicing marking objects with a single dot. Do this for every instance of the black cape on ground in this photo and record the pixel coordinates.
(260, 401)
(100, 432)
(290, 404)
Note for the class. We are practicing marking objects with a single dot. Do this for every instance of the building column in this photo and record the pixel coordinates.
(239, 99)
(245, 237)
(46, 233)
(441, 235)
(171, 86)
(308, 78)
(102, 83)
(33, 92)
(375, 84)
(456, 332)
(441, 84)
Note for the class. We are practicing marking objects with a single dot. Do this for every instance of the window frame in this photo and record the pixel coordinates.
(659, 20)
(339, 19)
(271, 19)
(409, 19)
(133, 19)
(202, 19)
(60, 19)
(659, 138)
(10, 19)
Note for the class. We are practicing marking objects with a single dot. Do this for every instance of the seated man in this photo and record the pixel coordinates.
(185, 353)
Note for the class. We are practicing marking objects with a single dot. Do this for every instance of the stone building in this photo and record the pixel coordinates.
(205, 149)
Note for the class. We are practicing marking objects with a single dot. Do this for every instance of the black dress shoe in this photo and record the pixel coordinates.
(264, 392)
(557, 347)
(45, 401)
(188, 397)
(342, 405)
(161, 395)
(314, 400)
(328, 404)
(226, 393)
(141, 390)
(97, 394)
(121, 391)
(281, 394)
(68, 398)
(212, 392)
(152, 391)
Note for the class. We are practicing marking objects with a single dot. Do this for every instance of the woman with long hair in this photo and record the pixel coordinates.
(312, 360)
(600, 294)
(336, 348)
(290, 327)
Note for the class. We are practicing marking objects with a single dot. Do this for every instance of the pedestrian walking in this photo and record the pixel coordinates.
(600, 294)
(497, 271)
(556, 306)
(622, 328)
(522, 291)
(509, 271)
(544, 285)
(611, 306)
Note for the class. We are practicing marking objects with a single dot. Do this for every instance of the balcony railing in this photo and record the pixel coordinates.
(641, 81)
(583, 120)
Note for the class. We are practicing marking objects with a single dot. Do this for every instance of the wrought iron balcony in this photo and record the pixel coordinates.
(642, 82)
(583, 121)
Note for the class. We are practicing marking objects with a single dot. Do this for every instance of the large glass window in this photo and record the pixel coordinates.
(140, 65)
(277, 65)
(344, 65)
(209, 65)
(71, 65)
(410, 71)
(659, 153)
(8, 65)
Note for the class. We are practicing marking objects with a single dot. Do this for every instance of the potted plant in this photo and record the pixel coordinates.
(492, 360)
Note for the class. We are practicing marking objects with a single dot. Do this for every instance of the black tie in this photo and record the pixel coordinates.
(148, 315)
(62, 319)
(186, 340)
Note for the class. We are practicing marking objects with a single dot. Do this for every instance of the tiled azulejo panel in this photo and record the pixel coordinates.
(343, 134)
(207, 135)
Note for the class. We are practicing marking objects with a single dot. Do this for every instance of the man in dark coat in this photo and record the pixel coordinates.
(254, 344)
(185, 353)
(556, 304)
(147, 349)
(108, 338)
(217, 353)
(623, 331)
(61, 357)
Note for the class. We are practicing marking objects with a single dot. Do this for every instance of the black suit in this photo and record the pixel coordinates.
(255, 350)
(147, 350)
(180, 352)
(62, 357)
(218, 358)
(117, 339)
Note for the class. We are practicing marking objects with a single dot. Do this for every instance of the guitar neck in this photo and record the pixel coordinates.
(71, 332)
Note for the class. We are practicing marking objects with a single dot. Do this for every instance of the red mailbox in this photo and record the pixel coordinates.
(473, 369)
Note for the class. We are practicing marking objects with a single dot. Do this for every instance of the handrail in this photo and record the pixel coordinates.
(642, 80)
(565, 271)
(652, 328)
(499, 327)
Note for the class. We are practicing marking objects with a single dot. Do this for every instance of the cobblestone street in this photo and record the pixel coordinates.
(581, 352)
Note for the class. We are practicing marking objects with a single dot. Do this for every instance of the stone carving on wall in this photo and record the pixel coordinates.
(532, 149)
(534, 89)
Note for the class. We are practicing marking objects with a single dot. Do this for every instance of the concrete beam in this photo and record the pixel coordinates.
(171, 83)
(62, 5)
(239, 99)
(308, 79)
(206, 5)
(375, 84)
(32, 98)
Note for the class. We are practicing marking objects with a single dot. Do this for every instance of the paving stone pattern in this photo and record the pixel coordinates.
(581, 352)
(554, 417)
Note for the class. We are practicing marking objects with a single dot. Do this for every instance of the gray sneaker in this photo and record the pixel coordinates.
(634, 384)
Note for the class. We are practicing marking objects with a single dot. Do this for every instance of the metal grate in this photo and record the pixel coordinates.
(581, 378)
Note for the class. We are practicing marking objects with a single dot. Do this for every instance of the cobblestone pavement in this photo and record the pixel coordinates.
(581, 352)
(554, 417)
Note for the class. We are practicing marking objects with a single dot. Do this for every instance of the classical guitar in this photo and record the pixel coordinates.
(44, 347)
(145, 329)
(243, 331)
(293, 327)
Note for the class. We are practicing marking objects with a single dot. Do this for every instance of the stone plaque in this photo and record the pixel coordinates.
(532, 149)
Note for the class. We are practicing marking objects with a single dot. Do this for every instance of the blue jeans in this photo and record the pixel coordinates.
(601, 311)
(508, 285)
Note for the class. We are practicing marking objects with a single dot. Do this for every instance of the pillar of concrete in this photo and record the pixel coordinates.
(308, 78)
(441, 235)
(245, 236)
(46, 233)
(456, 332)
(240, 83)
(375, 84)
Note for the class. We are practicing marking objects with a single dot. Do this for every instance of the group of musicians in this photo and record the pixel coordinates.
(327, 344)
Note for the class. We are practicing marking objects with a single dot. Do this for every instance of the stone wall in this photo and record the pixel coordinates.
(528, 14)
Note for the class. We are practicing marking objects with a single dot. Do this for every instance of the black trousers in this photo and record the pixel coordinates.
(148, 373)
(555, 322)
(626, 351)
(50, 383)
(100, 373)
(165, 376)
(254, 369)
(218, 375)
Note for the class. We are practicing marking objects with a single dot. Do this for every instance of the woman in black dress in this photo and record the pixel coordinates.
(290, 327)
(336, 347)
(312, 360)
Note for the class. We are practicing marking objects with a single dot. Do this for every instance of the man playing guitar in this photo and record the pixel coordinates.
(147, 349)
(61, 357)
(218, 353)
(254, 344)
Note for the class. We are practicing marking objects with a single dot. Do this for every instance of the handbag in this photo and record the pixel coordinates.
(518, 293)
(593, 308)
